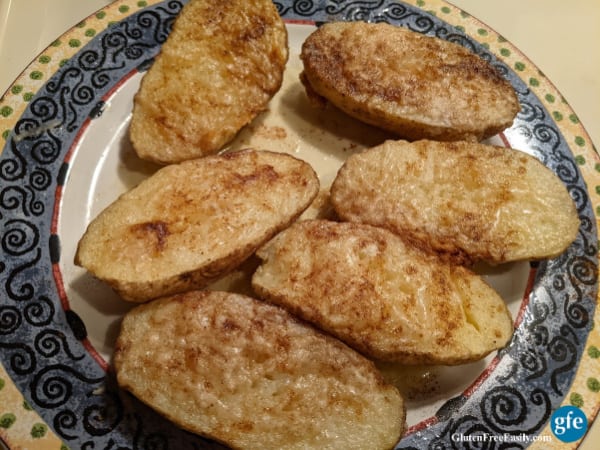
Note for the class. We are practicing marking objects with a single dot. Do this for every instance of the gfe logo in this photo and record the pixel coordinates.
(568, 423)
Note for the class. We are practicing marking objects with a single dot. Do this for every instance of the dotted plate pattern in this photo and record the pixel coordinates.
(53, 395)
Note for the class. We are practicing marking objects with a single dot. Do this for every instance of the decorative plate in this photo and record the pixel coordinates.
(66, 156)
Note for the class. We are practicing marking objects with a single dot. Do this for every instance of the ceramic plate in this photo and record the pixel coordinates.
(67, 155)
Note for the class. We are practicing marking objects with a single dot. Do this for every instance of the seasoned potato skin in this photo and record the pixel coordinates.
(217, 70)
(191, 223)
(410, 84)
(464, 200)
(250, 375)
(384, 298)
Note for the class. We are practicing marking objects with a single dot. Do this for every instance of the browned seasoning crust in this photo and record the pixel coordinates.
(218, 69)
(407, 83)
(251, 375)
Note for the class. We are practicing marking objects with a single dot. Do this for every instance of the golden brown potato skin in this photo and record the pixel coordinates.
(218, 69)
(467, 200)
(384, 298)
(193, 222)
(407, 83)
(252, 376)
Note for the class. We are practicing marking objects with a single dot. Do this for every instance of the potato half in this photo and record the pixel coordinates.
(191, 223)
(384, 298)
(250, 375)
(413, 85)
(470, 201)
(217, 70)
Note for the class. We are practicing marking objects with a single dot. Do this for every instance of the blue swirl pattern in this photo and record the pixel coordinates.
(40, 341)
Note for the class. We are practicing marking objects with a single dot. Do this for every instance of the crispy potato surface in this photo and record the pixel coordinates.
(217, 70)
(191, 223)
(468, 200)
(407, 83)
(250, 375)
(386, 299)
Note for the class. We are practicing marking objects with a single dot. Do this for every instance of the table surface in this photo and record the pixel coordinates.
(559, 37)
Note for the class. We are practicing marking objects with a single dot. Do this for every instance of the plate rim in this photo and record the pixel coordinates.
(543, 86)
